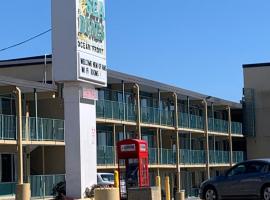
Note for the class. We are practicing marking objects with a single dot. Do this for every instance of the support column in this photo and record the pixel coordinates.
(138, 108)
(230, 135)
(178, 179)
(206, 138)
(158, 151)
(23, 189)
(43, 160)
(114, 144)
(36, 114)
(19, 135)
(124, 99)
(80, 139)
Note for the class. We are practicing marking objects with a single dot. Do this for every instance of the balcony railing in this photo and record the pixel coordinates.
(153, 156)
(105, 155)
(119, 111)
(192, 156)
(115, 110)
(219, 157)
(168, 157)
(150, 115)
(238, 156)
(41, 186)
(7, 189)
(47, 129)
(237, 128)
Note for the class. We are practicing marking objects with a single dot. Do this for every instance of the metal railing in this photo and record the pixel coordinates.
(238, 156)
(192, 156)
(219, 157)
(105, 155)
(153, 156)
(167, 157)
(8, 189)
(237, 128)
(42, 185)
(150, 115)
(47, 129)
(115, 110)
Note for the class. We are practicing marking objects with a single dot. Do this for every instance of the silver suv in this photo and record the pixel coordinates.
(247, 180)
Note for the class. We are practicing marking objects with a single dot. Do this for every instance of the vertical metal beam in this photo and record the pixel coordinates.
(36, 113)
(230, 134)
(27, 137)
(159, 106)
(114, 144)
(124, 99)
(178, 179)
(158, 151)
(138, 108)
(19, 135)
(206, 138)
(43, 160)
(188, 110)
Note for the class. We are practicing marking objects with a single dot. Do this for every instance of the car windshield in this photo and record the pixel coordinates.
(107, 177)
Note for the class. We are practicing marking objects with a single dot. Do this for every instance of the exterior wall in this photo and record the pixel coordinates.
(54, 160)
(49, 108)
(258, 79)
(34, 72)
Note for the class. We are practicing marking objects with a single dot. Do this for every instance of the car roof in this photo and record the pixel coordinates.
(265, 160)
(105, 173)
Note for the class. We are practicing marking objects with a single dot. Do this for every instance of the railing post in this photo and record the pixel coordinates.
(230, 135)
(2, 127)
(207, 137)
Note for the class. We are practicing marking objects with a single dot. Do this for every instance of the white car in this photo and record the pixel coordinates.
(105, 179)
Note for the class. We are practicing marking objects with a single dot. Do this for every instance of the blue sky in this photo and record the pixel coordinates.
(193, 44)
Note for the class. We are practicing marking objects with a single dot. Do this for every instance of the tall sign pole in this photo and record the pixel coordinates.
(79, 62)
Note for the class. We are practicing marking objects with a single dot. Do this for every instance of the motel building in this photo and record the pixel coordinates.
(210, 132)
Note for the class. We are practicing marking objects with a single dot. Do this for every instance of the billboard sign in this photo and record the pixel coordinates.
(79, 41)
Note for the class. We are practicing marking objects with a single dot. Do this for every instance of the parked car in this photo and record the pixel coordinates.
(249, 179)
(105, 179)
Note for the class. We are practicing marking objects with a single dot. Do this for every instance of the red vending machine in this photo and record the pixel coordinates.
(132, 165)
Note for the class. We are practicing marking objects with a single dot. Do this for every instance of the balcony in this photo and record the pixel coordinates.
(219, 157)
(191, 157)
(115, 110)
(105, 155)
(41, 186)
(47, 129)
(238, 156)
(149, 115)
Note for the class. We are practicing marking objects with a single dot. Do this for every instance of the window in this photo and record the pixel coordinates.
(256, 167)
(238, 170)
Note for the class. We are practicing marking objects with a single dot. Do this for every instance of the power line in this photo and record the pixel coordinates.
(25, 41)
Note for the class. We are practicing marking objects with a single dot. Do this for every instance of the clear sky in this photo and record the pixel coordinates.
(194, 44)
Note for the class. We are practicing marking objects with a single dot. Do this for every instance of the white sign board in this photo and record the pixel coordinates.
(128, 148)
(79, 41)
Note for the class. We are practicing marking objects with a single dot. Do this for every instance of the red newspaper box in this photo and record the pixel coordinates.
(132, 165)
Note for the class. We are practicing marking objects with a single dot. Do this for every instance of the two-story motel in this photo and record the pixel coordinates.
(210, 129)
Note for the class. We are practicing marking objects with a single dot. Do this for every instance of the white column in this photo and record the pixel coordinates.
(80, 139)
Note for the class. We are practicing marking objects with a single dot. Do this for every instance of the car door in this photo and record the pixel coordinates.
(229, 186)
(253, 179)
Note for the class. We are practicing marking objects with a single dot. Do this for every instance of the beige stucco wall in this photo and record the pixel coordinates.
(34, 72)
(258, 78)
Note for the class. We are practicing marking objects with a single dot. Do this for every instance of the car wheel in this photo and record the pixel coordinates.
(210, 194)
(266, 193)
